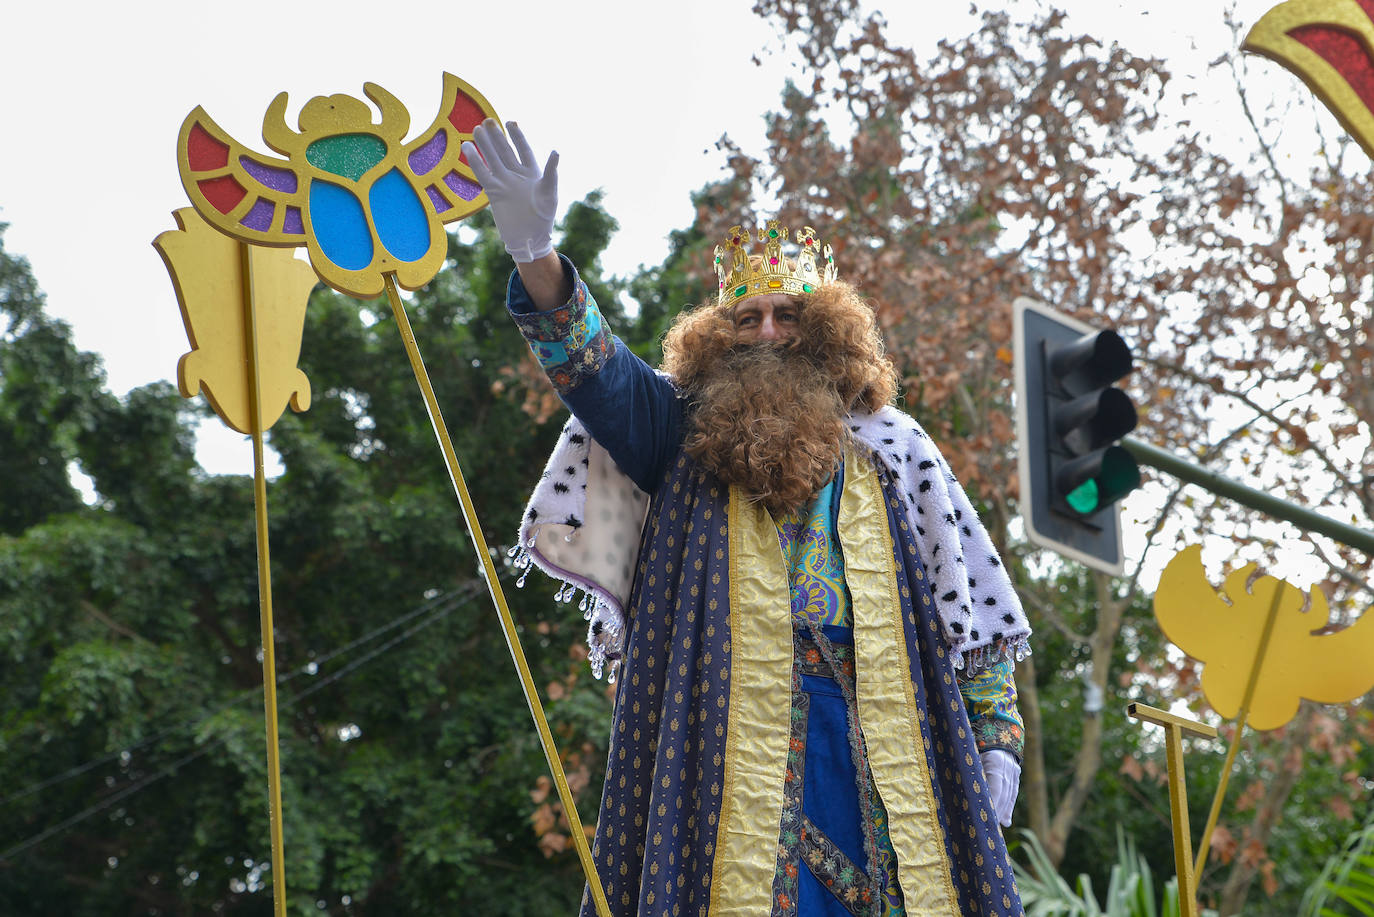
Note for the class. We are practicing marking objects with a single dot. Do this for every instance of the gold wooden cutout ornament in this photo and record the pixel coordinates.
(1259, 631)
(1328, 44)
(368, 207)
(365, 204)
(1261, 653)
(207, 271)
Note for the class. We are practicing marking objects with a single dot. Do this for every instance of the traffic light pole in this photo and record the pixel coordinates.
(1269, 504)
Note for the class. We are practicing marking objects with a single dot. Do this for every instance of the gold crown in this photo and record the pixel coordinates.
(740, 280)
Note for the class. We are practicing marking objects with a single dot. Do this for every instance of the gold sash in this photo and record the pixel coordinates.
(760, 705)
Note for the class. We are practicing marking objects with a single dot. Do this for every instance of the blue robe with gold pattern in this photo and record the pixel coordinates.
(697, 780)
(760, 764)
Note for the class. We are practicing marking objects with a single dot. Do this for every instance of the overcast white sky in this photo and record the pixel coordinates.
(634, 96)
(94, 100)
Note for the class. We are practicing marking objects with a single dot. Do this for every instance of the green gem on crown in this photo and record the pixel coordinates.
(807, 288)
(741, 290)
(772, 233)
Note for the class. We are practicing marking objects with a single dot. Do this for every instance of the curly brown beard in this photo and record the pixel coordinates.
(770, 417)
(769, 420)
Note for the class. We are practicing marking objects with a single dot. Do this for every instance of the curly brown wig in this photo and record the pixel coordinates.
(769, 416)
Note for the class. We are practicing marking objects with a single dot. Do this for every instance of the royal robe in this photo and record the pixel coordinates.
(707, 794)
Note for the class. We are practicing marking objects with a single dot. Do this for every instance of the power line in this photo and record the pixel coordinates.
(353, 666)
(464, 591)
(102, 805)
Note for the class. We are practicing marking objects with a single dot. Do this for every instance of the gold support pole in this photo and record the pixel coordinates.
(1260, 651)
(1175, 727)
(269, 665)
(498, 596)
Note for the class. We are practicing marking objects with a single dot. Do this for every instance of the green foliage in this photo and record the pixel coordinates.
(1346, 883)
(1115, 798)
(1130, 886)
(131, 714)
(49, 392)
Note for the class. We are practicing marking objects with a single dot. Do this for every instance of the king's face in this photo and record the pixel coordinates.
(770, 317)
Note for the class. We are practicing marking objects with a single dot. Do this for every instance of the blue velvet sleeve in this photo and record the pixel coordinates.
(632, 411)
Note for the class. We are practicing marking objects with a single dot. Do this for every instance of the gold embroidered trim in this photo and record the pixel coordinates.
(887, 701)
(760, 707)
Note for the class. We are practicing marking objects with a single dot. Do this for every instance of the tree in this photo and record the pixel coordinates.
(49, 389)
(1027, 160)
(131, 718)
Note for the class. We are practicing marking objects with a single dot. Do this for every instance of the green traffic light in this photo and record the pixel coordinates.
(1083, 498)
(1113, 475)
(1072, 474)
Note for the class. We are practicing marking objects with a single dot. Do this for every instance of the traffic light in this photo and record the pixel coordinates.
(1070, 419)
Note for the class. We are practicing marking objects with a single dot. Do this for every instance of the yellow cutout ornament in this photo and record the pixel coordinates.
(1259, 638)
(208, 272)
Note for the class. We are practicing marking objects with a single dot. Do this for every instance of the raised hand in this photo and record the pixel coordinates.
(524, 197)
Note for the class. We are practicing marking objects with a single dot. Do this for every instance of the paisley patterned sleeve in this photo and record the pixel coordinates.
(990, 697)
(571, 342)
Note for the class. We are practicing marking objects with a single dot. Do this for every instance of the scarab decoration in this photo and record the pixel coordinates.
(363, 202)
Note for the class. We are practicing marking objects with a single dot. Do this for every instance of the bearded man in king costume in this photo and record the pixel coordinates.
(813, 632)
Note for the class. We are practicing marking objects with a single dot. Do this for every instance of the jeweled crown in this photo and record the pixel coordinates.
(739, 279)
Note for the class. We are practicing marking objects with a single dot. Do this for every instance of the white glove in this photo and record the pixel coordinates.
(523, 197)
(1004, 780)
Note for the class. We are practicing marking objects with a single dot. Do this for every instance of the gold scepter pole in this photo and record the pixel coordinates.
(498, 596)
(1241, 717)
(269, 665)
(243, 308)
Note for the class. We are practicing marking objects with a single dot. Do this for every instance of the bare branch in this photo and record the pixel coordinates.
(1294, 432)
(1350, 577)
(1046, 611)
